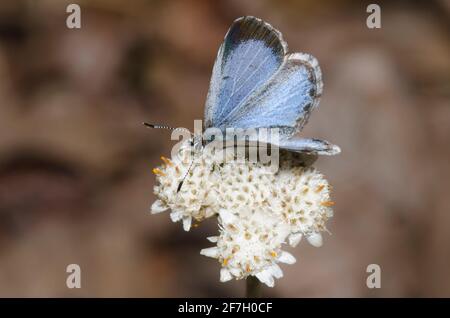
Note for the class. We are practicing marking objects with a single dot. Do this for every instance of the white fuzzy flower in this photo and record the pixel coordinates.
(304, 203)
(259, 209)
(195, 200)
(250, 244)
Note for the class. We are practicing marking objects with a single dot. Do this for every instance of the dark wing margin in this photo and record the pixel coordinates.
(251, 53)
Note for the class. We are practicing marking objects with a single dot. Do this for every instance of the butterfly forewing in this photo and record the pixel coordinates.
(251, 53)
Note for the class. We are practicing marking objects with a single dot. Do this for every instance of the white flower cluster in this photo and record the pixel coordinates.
(258, 209)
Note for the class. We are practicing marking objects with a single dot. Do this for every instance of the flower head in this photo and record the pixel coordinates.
(196, 199)
(258, 209)
(250, 244)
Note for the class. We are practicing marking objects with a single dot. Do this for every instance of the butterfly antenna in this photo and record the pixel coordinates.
(164, 127)
(185, 175)
(171, 128)
(158, 126)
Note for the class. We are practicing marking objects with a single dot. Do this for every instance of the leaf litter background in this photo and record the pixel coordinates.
(75, 162)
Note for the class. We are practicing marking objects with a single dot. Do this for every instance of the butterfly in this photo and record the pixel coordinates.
(256, 84)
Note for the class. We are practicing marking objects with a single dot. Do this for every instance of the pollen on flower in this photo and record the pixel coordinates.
(258, 209)
(320, 188)
(243, 251)
(158, 172)
(327, 203)
(167, 161)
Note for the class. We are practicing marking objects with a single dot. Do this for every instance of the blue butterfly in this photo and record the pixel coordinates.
(255, 83)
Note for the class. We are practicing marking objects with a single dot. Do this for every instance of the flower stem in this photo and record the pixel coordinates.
(253, 287)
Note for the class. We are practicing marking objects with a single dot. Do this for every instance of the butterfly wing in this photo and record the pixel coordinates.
(309, 146)
(256, 84)
(285, 101)
(251, 53)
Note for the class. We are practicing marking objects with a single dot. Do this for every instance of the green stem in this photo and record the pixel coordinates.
(253, 287)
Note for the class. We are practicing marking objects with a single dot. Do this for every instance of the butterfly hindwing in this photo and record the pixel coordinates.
(285, 101)
(309, 146)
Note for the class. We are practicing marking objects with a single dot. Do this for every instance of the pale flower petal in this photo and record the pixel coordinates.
(176, 216)
(226, 216)
(286, 258)
(212, 239)
(225, 275)
(294, 239)
(158, 206)
(187, 221)
(266, 278)
(315, 239)
(210, 252)
(235, 271)
(276, 271)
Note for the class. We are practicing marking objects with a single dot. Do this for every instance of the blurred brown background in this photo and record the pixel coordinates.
(75, 162)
